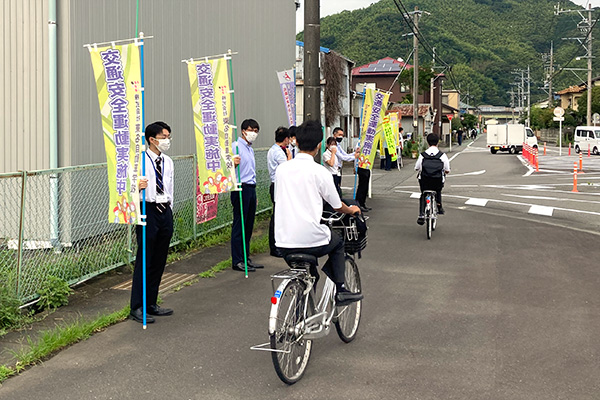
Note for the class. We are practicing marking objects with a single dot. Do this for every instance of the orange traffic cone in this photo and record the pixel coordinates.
(575, 178)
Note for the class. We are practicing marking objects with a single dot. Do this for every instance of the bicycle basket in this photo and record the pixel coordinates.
(354, 240)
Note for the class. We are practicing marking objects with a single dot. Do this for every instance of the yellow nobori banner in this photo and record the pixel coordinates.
(374, 108)
(211, 103)
(117, 72)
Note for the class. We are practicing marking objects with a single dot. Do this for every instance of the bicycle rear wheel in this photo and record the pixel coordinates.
(292, 351)
(428, 219)
(348, 317)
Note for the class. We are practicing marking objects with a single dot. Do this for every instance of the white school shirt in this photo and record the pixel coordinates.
(275, 156)
(167, 172)
(432, 151)
(301, 185)
(335, 170)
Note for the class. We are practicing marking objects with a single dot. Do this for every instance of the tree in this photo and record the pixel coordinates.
(582, 104)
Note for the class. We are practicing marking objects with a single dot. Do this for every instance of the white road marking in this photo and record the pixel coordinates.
(468, 173)
(526, 164)
(552, 198)
(476, 202)
(541, 210)
(415, 195)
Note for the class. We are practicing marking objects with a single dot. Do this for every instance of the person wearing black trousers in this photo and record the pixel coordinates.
(277, 154)
(158, 183)
(247, 174)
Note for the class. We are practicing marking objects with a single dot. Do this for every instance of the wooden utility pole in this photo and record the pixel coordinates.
(312, 81)
(589, 67)
(416, 73)
(550, 73)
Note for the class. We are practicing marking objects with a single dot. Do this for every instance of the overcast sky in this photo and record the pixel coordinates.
(329, 7)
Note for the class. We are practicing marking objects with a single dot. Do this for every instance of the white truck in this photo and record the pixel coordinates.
(509, 137)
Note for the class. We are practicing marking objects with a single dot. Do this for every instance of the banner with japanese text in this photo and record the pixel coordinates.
(206, 204)
(117, 73)
(374, 106)
(287, 82)
(389, 137)
(395, 121)
(211, 104)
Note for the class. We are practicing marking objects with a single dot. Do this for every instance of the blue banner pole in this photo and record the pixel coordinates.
(359, 139)
(144, 322)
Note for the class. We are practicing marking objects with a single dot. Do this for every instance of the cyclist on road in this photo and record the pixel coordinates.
(432, 167)
(301, 185)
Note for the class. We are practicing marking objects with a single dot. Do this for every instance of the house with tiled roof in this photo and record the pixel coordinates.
(570, 95)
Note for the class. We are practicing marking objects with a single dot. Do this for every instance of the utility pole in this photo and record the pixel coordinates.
(589, 66)
(528, 97)
(584, 26)
(312, 81)
(416, 15)
(550, 73)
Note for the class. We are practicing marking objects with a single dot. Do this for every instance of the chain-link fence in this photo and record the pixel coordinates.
(54, 223)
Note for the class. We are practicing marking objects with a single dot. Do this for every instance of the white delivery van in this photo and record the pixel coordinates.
(587, 137)
(509, 137)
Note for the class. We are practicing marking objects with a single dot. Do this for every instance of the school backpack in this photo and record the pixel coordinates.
(433, 166)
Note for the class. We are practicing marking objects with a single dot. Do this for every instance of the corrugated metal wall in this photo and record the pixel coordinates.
(262, 31)
(23, 84)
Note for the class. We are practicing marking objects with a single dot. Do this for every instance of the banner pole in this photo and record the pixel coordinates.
(237, 169)
(359, 139)
(144, 323)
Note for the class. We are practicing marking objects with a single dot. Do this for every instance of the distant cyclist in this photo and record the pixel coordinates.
(433, 166)
(301, 185)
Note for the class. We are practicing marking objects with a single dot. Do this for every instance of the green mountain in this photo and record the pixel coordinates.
(482, 40)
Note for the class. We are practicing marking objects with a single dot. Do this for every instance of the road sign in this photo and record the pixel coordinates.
(450, 116)
(558, 118)
(559, 112)
(596, 118)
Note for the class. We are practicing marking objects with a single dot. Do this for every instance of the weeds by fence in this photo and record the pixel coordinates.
(55, 223)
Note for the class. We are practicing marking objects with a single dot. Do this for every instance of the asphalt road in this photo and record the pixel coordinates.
(500, 304)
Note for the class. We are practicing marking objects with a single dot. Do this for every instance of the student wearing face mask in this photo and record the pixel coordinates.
(341, 155)
(292, 145)
(331, 164)
(247, 174)
(158, 182)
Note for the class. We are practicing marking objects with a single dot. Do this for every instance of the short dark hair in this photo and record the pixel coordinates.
(433, 139)
(250, 123)
(281, 134)
(331, 140)
(309, 135)
(401, 129)
(293, 129)
(152, 130)
(164, 125)
(336, 130)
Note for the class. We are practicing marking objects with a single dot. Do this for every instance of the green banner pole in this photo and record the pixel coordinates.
(230, 65)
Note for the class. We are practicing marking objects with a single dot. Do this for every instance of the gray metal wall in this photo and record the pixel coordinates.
(23, 84)
(262, 31)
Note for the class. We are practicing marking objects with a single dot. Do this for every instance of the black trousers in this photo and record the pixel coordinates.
(335, 266)
(430, 184)
(159, 230)
(363, 185)
(337, 181)
(388, 160)
(272, 223)
(249, 210)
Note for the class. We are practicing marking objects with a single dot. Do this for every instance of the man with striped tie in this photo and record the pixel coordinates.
(158, 183)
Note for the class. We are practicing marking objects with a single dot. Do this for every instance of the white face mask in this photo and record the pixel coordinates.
(293, 142)
(163, 145)
(251, 136)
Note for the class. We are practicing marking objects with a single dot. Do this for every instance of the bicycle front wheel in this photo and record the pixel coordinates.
(291, 351)
(348, 316)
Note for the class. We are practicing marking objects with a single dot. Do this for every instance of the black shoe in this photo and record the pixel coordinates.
(441, 210)
(240, 267)
(421, 220)
(138, 316)
(363, 209)
(368, 208)
(159, 311)
(344, 297)
(276, 253)
(255, 266)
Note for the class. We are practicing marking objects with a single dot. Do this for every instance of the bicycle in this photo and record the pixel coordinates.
(431, 211)
(298, 316)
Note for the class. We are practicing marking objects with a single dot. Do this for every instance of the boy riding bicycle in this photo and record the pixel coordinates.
(433, 166)
(301, 185)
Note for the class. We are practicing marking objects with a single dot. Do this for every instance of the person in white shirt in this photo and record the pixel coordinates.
(432, 166)
(301, 185)
(292, 142)
(331, 163)
(277, 154)
(158, 183)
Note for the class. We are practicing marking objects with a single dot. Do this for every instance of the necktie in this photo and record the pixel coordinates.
(161, 207)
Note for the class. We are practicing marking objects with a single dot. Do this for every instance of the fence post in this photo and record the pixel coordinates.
(129, 242)
(195, 197)
(21, 227)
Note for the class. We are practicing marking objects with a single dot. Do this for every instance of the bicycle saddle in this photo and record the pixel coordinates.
(300, 260)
